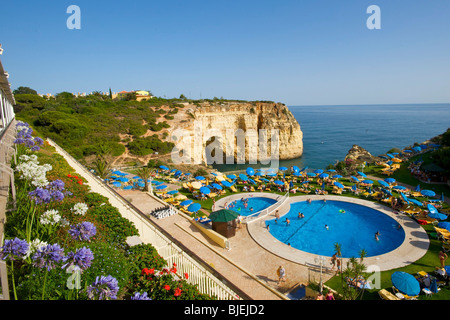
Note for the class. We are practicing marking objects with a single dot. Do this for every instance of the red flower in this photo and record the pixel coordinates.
(148, 271)
(167, 287)
(186, 275)
(177, 292)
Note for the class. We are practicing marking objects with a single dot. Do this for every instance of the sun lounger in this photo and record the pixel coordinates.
(444, 234)
(386, 295)
(233, 188)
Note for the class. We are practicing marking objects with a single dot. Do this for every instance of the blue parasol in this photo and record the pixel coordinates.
(405, 283)
(444, 225)
(337, 176)
(205, 190)
(283, 168)
(367, 181)
(339, 185)
(279, 182)
(399, 188)
(323, 175)
(417, 189)
(161, 187)
(383, 183)
(127, 187)
(318, 171)
(390, 180)
(416, 202)
(432, 208)
(437, 215)
(355, 178)
(116, 184)
(172, 192)
(428, 193)
(199, 178)
(243, 177)
(216, 186)
(186, 202)
(250, 171)
(404, 197)
(231, 176)
(194, 207)
(226, 183)
(296, 169)
(164, 167)
(362, 174)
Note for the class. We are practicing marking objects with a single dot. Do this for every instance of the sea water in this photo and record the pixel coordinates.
(329, 132)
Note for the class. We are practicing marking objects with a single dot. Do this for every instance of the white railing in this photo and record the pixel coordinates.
(264, 213)
(171, 251)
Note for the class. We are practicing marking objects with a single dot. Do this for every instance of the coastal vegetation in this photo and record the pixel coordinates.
(87, 125)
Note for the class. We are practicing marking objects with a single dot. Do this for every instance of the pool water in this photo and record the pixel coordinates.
(257, 203)
(351, 225)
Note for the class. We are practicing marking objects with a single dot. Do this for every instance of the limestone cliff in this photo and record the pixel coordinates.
(249, 117)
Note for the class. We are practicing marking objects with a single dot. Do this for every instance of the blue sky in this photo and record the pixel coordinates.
(302, 52)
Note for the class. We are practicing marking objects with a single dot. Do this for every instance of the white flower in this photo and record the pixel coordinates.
(32, 171)
(50, 217)
(34, 246)
(80, 209)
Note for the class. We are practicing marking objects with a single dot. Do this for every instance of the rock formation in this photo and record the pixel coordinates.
(229, 121)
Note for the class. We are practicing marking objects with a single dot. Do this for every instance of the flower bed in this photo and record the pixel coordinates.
(63, 242)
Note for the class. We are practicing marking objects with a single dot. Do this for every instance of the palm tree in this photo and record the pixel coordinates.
(102, 166)
(145, 173)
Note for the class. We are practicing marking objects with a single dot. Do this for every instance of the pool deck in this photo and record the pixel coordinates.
(415, 245)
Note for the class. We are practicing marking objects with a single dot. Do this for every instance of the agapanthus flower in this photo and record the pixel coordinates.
(140, 296)
(103, 288)
(83, 231)
(82, 258)
(51, 192)
(24, 136)
(80, 208)
(34, 246)
(48, 256)
(15, 249)
(31, 171)
(50, 217)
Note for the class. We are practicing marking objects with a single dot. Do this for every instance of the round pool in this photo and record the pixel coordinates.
(324, 224)
(250, 205)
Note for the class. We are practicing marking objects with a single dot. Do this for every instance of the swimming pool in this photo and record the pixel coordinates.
(351, 225)
(257, 203)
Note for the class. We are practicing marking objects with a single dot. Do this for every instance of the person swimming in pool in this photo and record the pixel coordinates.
(326, 227)
(377, 234)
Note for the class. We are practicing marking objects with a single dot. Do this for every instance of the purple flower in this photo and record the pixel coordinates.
(14, 249)
(40, 195)
(103, 288)
(82, 258)
(38, 141)
(83, 231)
(49, 193)
(19, 141)
(57, 184)
(48, 256)
(139, 296)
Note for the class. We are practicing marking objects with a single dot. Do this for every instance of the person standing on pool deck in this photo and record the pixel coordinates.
(281, 272)
(442, 257)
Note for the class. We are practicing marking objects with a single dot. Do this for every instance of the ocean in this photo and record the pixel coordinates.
(329, 132)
